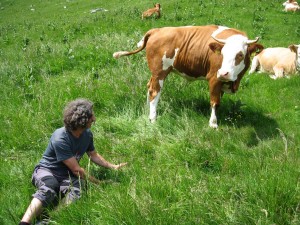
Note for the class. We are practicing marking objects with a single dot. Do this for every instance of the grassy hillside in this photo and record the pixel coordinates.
(180, 171)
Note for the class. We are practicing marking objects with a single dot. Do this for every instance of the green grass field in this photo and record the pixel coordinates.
(179, 170)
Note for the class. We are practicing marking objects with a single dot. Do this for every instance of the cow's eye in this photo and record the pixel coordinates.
(240, 55)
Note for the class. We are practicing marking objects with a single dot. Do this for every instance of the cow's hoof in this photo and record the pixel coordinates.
(213, 125)
(152, 120)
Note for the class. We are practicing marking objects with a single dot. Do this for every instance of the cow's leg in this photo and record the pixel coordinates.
(155, 85)
(213, 123)
(160, 66)
(154, 91)
(254, 65)
(279, 71)
(215, 89)
(274, 77)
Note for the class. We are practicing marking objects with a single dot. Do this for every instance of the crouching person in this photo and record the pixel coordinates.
(58, 172)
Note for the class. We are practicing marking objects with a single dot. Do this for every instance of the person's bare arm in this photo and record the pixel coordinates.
(78, 171)
(99, 160)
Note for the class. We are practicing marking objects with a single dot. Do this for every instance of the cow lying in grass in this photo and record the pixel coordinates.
(218, 54)
(279, 62)
(291, 5)
(152, 11)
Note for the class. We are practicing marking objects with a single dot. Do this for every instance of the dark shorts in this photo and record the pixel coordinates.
(51, 187)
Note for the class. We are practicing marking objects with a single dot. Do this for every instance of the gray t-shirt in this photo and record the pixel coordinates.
(63, 145)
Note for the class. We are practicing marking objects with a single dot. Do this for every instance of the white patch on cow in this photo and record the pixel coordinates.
(219, 30)
(154, 103)
(234, 44)
(213, 118)
(274, 77)
(298, 58)
(119, 54)
(161, 83)
(168, 62)
(293, 6)
(140, 43)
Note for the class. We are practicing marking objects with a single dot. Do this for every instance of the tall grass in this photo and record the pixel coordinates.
(180, 170)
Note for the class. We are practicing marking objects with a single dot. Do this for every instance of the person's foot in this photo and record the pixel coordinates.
(24, 223)
(44, 221)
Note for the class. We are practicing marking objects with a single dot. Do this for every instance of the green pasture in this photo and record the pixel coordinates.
(179, 170)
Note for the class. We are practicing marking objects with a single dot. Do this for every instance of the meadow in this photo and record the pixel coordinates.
(180, 171)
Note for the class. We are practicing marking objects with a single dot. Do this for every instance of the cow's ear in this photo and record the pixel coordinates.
(255, 48)
(216, 47)
(293, 48)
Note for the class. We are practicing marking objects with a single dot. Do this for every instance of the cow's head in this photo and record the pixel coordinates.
(234, 51)
(296, 49)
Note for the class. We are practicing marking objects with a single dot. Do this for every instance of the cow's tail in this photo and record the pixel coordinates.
(141, 45)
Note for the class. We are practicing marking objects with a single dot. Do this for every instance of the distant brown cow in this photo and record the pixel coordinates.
(220, 55)
(150, 12)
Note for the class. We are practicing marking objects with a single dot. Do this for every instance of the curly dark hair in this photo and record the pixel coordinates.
(77, 114)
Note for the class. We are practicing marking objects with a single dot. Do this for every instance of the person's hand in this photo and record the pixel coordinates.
(97, 182)
(94, 180)
(118, 166)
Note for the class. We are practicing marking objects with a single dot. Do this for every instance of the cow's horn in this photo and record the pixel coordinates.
(219, 40)
(253, 41)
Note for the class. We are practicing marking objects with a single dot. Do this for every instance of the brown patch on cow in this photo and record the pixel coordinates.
(239, 58)
(153, 88)
(293, 48)
(255, 48)
(216, 47)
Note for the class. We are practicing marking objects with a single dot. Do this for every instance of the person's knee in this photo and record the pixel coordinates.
(47, 191)
(51, 182)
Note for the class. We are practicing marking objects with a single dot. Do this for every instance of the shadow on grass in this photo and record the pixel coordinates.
(231, 113)
(239, 115)
(234, 114)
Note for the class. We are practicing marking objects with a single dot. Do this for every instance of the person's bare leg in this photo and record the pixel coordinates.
(33, 210)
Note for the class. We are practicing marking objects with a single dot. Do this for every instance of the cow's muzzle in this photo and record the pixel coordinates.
(223, 76)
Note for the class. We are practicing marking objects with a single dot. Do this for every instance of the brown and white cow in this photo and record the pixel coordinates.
(221, 55)
(278, 62)
(150, 12)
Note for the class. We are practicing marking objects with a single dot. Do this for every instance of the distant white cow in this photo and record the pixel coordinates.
(277, 61)
(291, 5)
